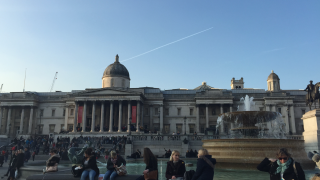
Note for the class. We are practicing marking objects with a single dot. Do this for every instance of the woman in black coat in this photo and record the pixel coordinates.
(205, 166)
(151, 163)
(175, 167)
(283, 167)
(113, 161)
(53, 160)
(89, 165)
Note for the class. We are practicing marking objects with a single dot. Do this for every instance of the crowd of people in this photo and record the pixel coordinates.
(283, 167)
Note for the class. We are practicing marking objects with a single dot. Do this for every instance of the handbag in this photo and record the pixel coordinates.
(52, 168)
(76, 173)
(151, 175)
(121, 171)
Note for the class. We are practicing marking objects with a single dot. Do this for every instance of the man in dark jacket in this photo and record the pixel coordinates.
(27, 155)
(1, 160)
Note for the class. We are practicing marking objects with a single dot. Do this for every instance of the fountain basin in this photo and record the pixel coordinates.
(246, 154)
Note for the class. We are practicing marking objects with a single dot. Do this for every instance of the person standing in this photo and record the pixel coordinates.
(113, 162)
(151, 163)
(283, 168)
(205, 166)
(33, 155)
(175, 167)
(1, 159)
(6, 154)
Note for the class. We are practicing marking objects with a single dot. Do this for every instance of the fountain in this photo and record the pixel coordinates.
(251, 136)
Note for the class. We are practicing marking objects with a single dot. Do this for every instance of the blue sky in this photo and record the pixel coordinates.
(79, 39)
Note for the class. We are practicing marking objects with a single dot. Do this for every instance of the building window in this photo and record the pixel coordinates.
(213, 111)
(90, 111)
(41, 112)
(167, 128)
(191, 112)
(202, 129)
(53, 113)
(179, 111)
(62, 127)
(279, 110)
(179, 128)
(261, 109)
(201, 111)
(146, 111)
(303, 111)
(51, 128)
(156, 111)
(191, 128)
(71, 112)
(64, 112)
(166, 111)
(41, 129)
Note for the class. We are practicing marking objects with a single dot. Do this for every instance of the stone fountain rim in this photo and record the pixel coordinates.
(252, 139)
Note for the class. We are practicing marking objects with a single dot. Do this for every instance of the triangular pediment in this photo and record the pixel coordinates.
(108, 91)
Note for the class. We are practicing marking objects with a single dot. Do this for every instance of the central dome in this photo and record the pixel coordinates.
(116, 70)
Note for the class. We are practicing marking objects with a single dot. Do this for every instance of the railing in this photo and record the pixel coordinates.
(296, 137)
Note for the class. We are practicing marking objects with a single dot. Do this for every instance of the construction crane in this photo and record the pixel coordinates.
(54, 80)
(1, 88)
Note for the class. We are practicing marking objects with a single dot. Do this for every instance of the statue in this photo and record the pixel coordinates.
(313, 94)
(76, 154)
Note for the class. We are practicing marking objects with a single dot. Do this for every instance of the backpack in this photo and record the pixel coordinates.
(76, 173)
(188, 175)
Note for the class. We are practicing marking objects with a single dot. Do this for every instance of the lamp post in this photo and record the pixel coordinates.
(290, 133)
(185, 126)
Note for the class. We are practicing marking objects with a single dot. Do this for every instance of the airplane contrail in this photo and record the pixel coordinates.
(166, 44)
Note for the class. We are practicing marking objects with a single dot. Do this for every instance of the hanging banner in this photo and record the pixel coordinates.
(134, 114)
(80, 112)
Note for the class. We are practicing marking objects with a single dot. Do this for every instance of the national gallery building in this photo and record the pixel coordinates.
(110, 109)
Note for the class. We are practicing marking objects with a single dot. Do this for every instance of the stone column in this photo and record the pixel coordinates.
(267, 107)
(21, 121)
(120, 116)
(111, 117)
(102, 117)
(84, 117)
(292, 120)
(75, 121)
(230, 107)
(151, 119)
(1, 112)
(142, 116)
(30, 121)
(129, 116)
(138, 117)
(222, 124)
(93, 123)
(207, 115)
(8, 120)
(198, 116)
(65, 119)
(161, 118)
(286, 116)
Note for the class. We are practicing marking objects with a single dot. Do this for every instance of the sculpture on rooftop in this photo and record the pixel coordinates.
(313, 94)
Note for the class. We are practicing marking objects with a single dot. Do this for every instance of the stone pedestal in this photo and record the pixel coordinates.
(311, 134)
(128, 150)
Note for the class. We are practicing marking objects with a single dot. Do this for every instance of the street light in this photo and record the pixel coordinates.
(185, 126)
(40, 120)
(290, 133)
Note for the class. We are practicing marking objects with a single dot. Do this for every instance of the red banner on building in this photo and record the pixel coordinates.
(134, 114)
(80, 112)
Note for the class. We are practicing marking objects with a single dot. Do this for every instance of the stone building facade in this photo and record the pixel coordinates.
(110, 108)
